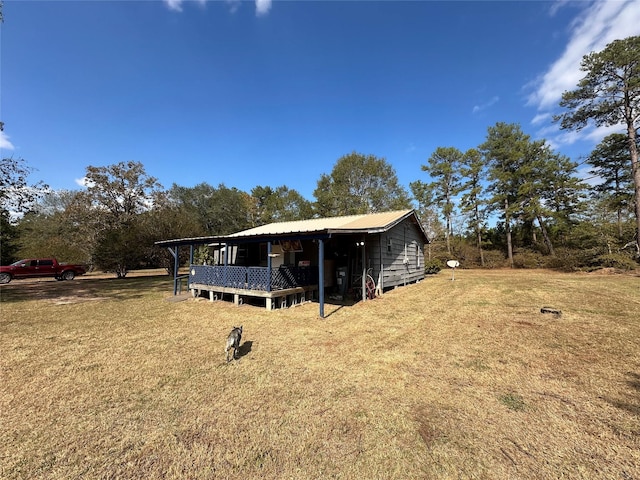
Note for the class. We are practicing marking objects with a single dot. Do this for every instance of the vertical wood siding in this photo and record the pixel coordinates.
(398, 253)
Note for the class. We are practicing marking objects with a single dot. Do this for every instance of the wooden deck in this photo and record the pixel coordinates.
(282, 298)
(282, 287)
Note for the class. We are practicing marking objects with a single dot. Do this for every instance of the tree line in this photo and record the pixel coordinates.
(546, 215)
(115, 220)
(511, 201)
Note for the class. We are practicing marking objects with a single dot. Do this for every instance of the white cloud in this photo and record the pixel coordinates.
(557, 5)
(598, 133)
(541, 117)
(176, 5)
(565, 137)
(83, 182)
(483, 106)
(584, 173)
(5, 144)
(549, 129)
(263, 7)
(234, 5)
(599, 23)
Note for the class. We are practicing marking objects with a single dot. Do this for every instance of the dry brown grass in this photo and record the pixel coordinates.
(441, 379)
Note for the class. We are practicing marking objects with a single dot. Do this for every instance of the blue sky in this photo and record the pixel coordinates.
(274, 92)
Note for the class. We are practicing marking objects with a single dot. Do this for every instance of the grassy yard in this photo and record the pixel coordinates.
(104, 378)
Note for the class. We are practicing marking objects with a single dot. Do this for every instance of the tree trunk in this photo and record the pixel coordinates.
(509, 245)
(478, 234)
(507, 226)
(619, 220)
(449, 235)
(545, 235)
(635, 168)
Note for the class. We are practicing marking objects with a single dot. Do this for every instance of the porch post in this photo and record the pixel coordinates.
(321, 275)
(176, 265)
(364, 269)
(191, 254)
(173, 254)
(269, 266)
(226, 264)
(379, 281)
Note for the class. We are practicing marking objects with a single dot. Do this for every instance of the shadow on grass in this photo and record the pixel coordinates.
(245, 348)
(631, 405)
(334, 304)
(635, 380)
(84, 288)
(337, 308)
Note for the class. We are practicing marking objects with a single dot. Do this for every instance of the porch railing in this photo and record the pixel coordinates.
(253, 278)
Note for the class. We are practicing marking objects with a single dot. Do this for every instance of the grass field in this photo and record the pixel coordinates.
(105, 378)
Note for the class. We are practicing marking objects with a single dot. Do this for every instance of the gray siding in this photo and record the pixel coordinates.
(398, 253)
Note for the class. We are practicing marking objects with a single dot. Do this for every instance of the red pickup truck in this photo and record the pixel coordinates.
(40, 267)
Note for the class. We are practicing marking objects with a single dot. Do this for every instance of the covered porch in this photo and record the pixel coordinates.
(281, 271)
(280, 287)
(286, 263)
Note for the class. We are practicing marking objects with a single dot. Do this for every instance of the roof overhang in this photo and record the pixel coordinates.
(313, 229)
(188, 241)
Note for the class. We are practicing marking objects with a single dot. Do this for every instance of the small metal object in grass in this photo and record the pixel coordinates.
(554, 311)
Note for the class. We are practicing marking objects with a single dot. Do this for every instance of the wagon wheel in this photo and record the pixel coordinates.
(371, 287)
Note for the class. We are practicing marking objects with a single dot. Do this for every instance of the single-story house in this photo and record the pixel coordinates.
(283, 262)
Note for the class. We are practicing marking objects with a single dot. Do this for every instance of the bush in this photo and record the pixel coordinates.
(203, 256)
(431, 267)
(465, 253)
(494, 259)
(616, 260)
(568, 260)
(528, 259)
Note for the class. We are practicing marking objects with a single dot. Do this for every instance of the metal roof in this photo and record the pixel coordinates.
(364, 223)
(188, 241)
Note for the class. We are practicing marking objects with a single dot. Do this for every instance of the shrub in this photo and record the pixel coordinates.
(203, 256)
(465, 253)
(494, 259)
(570, 260)
(528, 259)
(616, 260)
(567, 260)
(431, 267)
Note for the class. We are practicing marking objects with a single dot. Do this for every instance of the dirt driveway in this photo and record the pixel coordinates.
(86, 288)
